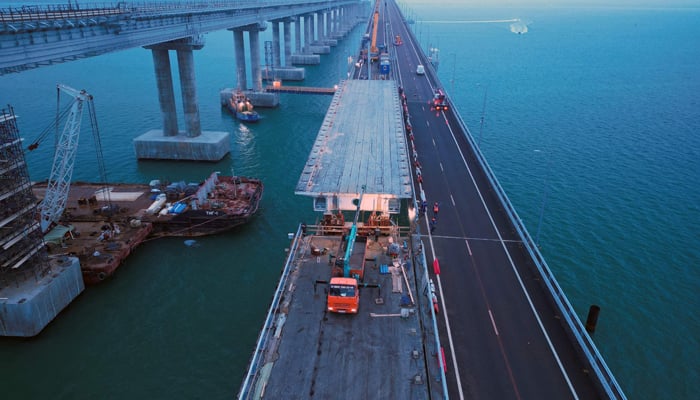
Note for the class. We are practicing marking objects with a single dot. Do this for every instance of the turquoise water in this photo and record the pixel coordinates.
(593, 113)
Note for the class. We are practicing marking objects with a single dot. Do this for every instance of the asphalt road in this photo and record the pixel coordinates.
(501, 334)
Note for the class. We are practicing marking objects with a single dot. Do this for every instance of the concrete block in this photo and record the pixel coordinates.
(27, 308)
(317, 48)
(258, 99)
(285, 73)
(209, 146)
(306, 59)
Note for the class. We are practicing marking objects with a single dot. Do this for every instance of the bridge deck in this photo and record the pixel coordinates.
(361, 142)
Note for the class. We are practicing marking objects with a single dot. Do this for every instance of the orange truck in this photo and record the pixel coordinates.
(343, 295)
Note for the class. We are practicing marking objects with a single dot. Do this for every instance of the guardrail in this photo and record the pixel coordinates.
(605, 377)
(49, 12)
(267, 330)
(607, 380)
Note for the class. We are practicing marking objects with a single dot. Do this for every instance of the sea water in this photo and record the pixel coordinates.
(590, 121)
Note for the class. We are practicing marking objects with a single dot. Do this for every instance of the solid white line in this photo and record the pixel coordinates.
(447, 321)
(493, 322)
(515, 271)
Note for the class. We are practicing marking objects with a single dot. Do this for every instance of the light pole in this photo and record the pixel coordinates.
(483, 114)
(545, 193)
(454, 68)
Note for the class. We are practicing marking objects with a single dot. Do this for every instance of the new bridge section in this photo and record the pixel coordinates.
(508, 330)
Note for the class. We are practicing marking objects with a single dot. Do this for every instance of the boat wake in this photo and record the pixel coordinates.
(519, 27)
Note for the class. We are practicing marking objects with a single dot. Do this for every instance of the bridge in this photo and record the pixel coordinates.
(37, 36)
(507, 327)
(503, 328)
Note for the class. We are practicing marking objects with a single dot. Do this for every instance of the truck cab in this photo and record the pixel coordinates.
(439, 102)
(343, 296)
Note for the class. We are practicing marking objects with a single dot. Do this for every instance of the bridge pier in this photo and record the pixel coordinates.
(256, 96)
(304, 55)
(286, 72)
(170, 143)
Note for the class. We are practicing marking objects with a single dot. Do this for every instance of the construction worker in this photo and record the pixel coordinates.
(433, 224)
(436, 208)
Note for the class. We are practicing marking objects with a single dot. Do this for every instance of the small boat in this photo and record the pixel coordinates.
(242, 108)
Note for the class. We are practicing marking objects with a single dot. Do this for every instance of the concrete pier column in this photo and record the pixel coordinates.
(276, 43)
(322, 26)
(287, 43)
(254, 36)
(166, 94)
(239, 52)
(307, 32)
(297, 34)
(169, 143)
(312, 26)
(188, 86)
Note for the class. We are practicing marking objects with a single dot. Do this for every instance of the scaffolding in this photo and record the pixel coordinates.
(22, 251)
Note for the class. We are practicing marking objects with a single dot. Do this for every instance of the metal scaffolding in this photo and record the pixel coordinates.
(22, 251)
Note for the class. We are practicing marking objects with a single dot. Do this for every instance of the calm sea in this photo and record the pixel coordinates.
(591, 121)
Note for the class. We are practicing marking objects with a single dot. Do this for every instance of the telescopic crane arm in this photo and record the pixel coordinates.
(352, 237)
(373, 50)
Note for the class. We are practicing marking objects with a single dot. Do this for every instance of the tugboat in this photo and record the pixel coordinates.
(242, 108)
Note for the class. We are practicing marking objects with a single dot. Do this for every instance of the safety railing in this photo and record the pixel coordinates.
(47, 12)
(602, 372)
(266, 331)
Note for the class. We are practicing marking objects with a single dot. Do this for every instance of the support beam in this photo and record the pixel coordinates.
(166, 94)
(287, 43)
(188, 87)
(239, 53)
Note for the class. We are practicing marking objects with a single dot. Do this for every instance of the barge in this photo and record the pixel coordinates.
(103, 223)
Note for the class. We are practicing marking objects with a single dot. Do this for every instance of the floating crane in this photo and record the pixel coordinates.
(51, 208)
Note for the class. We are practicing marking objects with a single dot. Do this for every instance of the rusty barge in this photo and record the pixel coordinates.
(103, 223)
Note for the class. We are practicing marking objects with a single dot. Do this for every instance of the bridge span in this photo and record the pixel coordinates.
(507, 328)
(42, 35)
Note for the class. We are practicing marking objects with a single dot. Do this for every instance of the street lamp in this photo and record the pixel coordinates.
(545, 193)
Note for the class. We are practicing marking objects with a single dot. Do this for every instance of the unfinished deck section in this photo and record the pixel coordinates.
(306, 352)
(360, 143)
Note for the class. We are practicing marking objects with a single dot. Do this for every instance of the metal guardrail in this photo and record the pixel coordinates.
(267, 330)
(50, 12)
(607, 380)
(602, 372)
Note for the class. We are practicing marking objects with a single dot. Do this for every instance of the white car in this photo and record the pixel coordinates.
(420, 70)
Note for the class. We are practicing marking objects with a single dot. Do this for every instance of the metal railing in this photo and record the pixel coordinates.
(48, 12)
(266, 331)
(602, 372)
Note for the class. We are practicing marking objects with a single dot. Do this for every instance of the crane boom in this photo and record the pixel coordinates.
(64, 158)
(373, 50)
(352, 237)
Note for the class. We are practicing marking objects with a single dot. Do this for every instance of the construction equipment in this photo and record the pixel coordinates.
(51, 208)
(439, 101)
(344, 294)
(373, 50)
